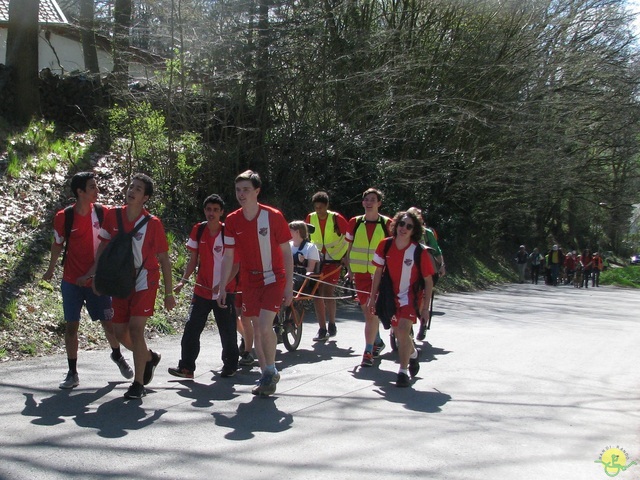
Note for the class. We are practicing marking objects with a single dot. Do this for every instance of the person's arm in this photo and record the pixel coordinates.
(189, 269)
(426, 297)
(83, 280)
(165, 266)
(375, 285)
(288, 270)
(225, 270)
(56, 250)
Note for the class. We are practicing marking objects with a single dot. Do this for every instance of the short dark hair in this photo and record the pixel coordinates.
(320, 197)
(416, 233)
(213, 198)
(148, 183)
(79, 181)
(250, 175)
(373, 190)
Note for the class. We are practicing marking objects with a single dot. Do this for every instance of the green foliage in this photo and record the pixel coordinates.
(29, 349)
(159, 323)
(622, 277)
(9, 315)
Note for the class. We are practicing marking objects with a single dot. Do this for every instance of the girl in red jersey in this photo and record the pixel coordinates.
(399, 257)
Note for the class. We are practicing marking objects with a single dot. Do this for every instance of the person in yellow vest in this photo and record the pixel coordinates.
(364, 234)
(329, 236)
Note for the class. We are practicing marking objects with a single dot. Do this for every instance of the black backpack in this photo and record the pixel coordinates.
(68, 224)
(116, 272)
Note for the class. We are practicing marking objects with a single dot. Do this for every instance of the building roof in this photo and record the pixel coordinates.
(50, 12)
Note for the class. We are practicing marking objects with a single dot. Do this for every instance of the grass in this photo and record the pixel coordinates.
(622, 277)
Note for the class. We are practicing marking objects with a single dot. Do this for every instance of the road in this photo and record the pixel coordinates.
(517, 382)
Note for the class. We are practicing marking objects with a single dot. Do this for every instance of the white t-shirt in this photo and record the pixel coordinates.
(308, 252)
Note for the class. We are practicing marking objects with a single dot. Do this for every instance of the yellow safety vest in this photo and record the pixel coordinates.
(335, 245)
(362, 249)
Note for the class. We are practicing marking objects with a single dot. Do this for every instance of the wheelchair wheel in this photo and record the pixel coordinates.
(291, 333)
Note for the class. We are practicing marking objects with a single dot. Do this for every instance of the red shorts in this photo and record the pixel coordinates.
(262, 298)
(331, 272)
(407, 312)
(138, 304)
(238, 303)
(363, 282)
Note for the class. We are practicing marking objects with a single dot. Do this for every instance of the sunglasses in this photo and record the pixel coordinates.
(408, 226)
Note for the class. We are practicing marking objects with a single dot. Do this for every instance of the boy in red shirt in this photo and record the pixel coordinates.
(151, 253)
(206, 244)
(261, 235)
(81, 248)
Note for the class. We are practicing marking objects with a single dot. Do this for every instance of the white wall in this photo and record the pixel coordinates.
(70, 57)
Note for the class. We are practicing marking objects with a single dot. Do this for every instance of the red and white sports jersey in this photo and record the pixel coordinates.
(402, 270)
(210, 252)
(82, 242)
(149, 241)
(257, 243)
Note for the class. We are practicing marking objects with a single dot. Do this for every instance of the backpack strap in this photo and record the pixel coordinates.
(200, 231)
(68, 224)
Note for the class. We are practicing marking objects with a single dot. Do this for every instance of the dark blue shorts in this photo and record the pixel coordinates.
(74, 297)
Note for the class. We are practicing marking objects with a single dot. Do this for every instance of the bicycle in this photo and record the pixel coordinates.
(287, 324)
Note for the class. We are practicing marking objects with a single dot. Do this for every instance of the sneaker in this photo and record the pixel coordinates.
(403, 380)
(377, 349)
(180, 372)
(266, 385)
(333, 330)
(367, 360)
(246, 359)
(150, 367)
(228, 371)
(422, 333)
(70, 381)
(124, 367)
(136, 390)
(414, 365)
(321, 336)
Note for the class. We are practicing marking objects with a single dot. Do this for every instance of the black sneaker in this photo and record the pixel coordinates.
(136, 390)
(228, 371)
(378, 348)
(333, 330)
(150, 367)
(414, 365)
(180, 372)
(403, 380)
(422, 333)
(321, 336)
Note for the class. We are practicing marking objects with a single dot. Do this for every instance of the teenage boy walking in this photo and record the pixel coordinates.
(260, 234)
(206, 244)
(364, 234)
(151, 253)
(81, 245)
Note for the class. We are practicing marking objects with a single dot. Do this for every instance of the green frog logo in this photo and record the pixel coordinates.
(614, 460)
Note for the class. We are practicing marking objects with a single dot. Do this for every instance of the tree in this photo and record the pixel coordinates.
(22, 57)
(121, 35)
(88, 36)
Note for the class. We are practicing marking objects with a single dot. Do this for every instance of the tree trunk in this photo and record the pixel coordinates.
(87, 10)
(122, 16)
(22, 57)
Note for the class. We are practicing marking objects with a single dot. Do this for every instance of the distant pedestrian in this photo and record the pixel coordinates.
(536, 259)
(522, 257)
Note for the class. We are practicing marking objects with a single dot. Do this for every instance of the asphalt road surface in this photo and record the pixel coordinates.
(518, 382)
